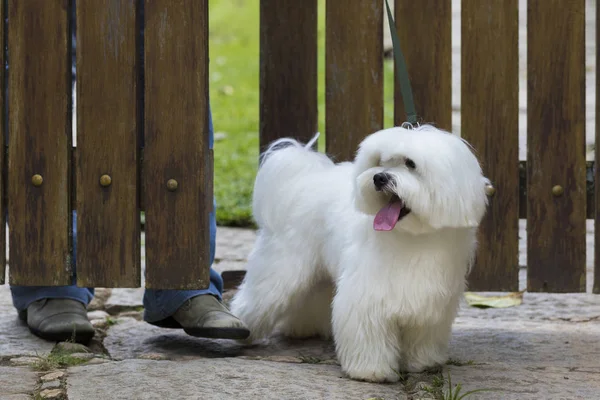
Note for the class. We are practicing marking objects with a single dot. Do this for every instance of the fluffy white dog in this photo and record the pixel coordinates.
(375, 252)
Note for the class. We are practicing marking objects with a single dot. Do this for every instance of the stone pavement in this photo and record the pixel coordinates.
(546, 348)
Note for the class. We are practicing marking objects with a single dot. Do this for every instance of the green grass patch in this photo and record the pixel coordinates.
(57, 359)
(451, 392)
(234, 91)
(233, 48)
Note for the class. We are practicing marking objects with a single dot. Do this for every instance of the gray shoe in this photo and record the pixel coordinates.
(59, 320)
(205, 316)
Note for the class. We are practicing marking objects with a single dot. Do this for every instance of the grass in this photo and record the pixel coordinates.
(233, 48)
(234, 92)
(57, 359)
(452, 392)
(310, 359)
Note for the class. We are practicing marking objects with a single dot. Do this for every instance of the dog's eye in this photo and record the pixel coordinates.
(410, 164)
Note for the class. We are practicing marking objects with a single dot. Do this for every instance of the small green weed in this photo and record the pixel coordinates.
(310, 359)
(453, 393)
(53, 361)
(57, 358)
(437, 384)
(403, 376)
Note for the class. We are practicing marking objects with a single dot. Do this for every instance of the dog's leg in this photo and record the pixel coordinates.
(366, 345)
(311, 315)
(277, 278)
(427, 346)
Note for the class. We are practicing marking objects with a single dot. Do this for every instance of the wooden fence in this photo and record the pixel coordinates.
(108, 179)
(163, 98)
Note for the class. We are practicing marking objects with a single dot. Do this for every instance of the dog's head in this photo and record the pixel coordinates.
(419, 180)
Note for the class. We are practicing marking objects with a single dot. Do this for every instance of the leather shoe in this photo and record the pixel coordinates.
(59, 320)
(205, 316)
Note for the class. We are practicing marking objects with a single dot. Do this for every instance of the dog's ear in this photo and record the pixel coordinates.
(468, 208)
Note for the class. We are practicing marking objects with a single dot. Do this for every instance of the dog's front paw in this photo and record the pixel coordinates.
(416, 367)
(433, 363)
(379, 375)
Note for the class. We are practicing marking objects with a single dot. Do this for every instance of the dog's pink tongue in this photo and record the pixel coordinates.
(387, 218)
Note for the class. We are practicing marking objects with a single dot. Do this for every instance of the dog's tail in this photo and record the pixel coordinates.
(283, 143)
(284, 172)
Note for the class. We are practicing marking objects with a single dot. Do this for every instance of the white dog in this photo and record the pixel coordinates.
(375, 251)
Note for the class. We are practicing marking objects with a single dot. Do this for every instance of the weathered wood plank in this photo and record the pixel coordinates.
(108, 218)
(556, 231)
(425, 33)
(39, 144)
(177, 144)
(354, 74)
(489, 114)
(288, 70)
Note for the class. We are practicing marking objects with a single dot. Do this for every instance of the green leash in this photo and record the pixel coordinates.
(402, 72)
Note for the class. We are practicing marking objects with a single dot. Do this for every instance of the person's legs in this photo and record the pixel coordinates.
(161, 304)
(198, 312)
(56, 312)
(23, 296)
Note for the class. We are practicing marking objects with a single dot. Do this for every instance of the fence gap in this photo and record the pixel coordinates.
(353, 74)
(108, 234)
(556, 182)
(177, 171)
(489, 115)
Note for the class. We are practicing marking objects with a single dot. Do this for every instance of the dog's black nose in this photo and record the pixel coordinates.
(380, 180)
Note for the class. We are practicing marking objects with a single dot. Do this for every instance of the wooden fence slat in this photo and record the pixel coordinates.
(425, 34)
(353, 74)
(596, 285)
(39, 143)
(176, 144)
(2, 154)
(556, 226)
(490, 122)
(288, 70)
(108, 218)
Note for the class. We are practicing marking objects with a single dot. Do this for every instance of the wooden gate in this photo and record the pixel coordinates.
(128, 87)
(142, 127)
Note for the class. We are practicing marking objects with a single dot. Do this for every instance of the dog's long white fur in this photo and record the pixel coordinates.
(319, 268)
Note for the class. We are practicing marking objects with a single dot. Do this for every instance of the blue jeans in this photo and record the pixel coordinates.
(158, 304)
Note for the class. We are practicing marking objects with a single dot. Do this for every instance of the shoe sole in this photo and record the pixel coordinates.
(211, 333)
(219, 333)
(81, 338)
